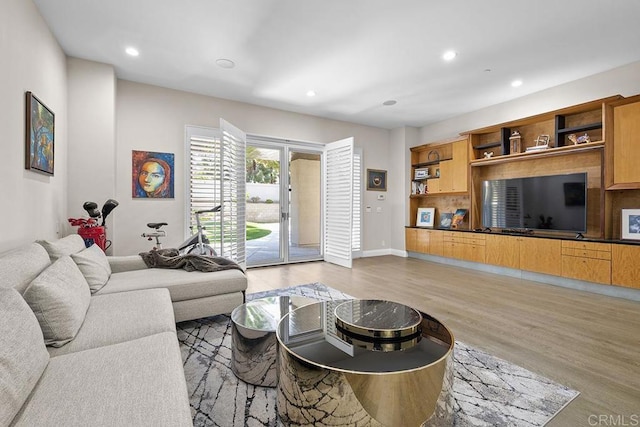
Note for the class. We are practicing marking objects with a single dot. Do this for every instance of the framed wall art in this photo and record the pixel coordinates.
(376, 180)
(631, 224)
(426, 217)
(39, 136)
(152, 175)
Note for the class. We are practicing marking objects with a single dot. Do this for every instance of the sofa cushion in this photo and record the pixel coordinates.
(71, 244)
(135, 383)
(19, 267)
(182, 285)
(59, 297)
(94, 266)
(120, 317)
(23, 356)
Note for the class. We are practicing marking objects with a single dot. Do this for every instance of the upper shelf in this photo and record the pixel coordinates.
(567, 149)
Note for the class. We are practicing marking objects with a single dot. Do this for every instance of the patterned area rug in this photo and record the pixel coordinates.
(487, 391)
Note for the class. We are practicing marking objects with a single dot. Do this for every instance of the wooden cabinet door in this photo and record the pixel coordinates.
(588, 269)
(445, 184)
(503, 251)
(435, 242)
(433, 186)
(460, 167)
(411, 239)
(625, 265)
(626, 143)
(541, 255)
(422, 241)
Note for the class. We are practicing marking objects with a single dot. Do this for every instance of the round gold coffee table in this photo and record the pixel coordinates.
(364, 362)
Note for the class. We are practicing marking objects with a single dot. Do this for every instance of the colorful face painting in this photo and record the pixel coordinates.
(152, 175)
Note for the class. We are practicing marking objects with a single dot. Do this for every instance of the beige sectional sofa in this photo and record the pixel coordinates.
(76, 352)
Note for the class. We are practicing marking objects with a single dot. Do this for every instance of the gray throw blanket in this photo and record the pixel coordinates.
(171, 258)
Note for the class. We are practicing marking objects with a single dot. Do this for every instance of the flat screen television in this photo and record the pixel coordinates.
(554, 202)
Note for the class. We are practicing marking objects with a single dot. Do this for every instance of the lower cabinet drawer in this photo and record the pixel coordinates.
(588, 269)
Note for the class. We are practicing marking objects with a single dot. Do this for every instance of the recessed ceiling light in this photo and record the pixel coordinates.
(225, 63)
(311, 93)
(449, 55)
(132, 51)
(390, 102)
(516, 83)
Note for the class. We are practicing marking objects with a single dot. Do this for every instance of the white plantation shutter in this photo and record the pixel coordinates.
(204, 189)
(357, 202)
(233, 217)
(338, 206)
(216, 165)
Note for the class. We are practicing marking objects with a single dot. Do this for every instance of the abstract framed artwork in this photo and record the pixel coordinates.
(39, 136)
(376, 180)
(152, 175)
(631, 224)
(426, 217)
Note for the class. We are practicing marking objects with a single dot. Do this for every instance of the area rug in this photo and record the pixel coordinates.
(487, 391)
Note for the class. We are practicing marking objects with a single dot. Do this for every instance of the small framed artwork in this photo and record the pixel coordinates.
(445, 220)
(426, 217)
(631, 224)
(458, 218)
(376, 180)
(39, 136)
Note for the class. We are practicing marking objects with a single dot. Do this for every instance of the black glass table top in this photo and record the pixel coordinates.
(311, 334)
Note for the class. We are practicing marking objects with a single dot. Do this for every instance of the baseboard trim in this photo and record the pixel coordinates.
(596, 288)
(376, 252)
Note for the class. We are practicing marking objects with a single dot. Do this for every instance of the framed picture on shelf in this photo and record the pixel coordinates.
(376, 180)
(40, 130)
(426, 217)
(458, 218)
(631, 224)
(445, 220)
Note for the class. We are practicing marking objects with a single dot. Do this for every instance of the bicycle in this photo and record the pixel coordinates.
(197, 244)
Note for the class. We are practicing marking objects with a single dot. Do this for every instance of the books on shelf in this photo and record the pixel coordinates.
(421, 173)
(418, 187)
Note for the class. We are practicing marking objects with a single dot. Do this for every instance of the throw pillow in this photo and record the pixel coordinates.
(23, 356)
(71, 244)
(94, 265)
(59, 297)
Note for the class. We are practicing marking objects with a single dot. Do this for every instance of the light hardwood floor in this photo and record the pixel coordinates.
(586, 341)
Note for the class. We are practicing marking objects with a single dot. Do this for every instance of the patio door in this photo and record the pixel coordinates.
(284, 203)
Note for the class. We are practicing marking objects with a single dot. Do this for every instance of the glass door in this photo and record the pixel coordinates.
(305, 205)
(265, 221)
(284, 203)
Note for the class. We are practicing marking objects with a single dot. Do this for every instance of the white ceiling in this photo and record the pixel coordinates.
(355, 54)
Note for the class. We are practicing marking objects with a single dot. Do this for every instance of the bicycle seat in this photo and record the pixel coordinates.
(156, 225)
(216, 209)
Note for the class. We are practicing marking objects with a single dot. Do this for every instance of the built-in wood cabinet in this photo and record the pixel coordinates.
(458, 168)
(625, 265)
(587, 261)
(440, 177)
(603, 263)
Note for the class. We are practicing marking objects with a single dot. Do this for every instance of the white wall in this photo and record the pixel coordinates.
(623, 81)
(33, 205)
(91, 155)
(153, 118)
